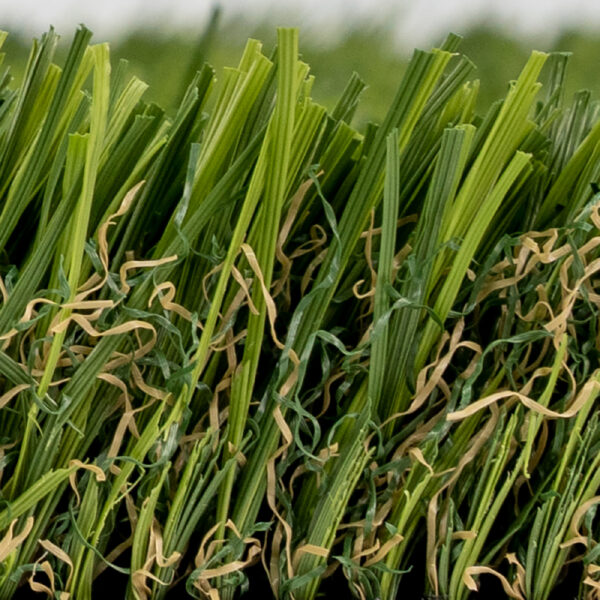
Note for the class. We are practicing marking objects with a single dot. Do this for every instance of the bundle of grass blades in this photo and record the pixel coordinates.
(250, 350)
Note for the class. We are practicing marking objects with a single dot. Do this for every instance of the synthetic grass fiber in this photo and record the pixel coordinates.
(249, 350)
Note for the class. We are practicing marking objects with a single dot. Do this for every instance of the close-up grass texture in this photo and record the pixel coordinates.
(249, 348)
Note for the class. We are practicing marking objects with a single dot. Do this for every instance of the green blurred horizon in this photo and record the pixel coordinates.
(167, 62)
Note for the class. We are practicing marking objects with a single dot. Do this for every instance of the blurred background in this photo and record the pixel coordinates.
(166, 40)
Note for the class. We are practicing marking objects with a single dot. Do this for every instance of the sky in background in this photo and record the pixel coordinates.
(415, 22)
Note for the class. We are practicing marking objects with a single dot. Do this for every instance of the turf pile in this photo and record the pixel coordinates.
(246, 347)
